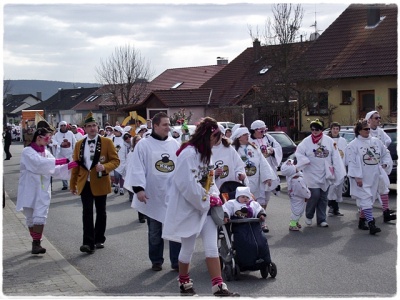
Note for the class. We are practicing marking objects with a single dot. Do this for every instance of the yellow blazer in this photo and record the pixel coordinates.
(106, 154)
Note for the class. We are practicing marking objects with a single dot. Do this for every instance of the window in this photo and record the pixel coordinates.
(346, 97)
(393, 101)
(320, 106)
(176, 85)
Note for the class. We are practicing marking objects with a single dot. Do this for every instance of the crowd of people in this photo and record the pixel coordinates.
(167, 180)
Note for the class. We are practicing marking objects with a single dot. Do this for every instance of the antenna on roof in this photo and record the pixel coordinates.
(315, 34)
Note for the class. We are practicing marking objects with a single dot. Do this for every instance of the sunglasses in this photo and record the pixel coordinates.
(366, 129)
(377, 118)
(315, 129)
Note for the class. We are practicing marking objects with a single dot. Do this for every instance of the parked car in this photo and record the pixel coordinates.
(227, 124)
(287, 144)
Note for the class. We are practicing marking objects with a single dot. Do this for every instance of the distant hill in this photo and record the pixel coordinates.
(47, 87)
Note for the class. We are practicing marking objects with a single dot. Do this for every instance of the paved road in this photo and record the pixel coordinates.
(339, 261)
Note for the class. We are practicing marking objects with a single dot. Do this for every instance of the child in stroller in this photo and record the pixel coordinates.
(242, 245)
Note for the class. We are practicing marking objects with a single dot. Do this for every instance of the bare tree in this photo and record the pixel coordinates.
(286, 90)
(124, 75)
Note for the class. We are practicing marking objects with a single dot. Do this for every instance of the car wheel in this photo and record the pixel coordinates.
(346, 187)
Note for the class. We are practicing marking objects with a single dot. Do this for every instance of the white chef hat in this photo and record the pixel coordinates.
(127, 128)
(239, 132)
(369, 115)
(288, 168)
(62, 123)
(257, 124)
(119, 128)
(140, 128)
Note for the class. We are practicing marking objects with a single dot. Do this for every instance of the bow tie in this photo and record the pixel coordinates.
(91, 141)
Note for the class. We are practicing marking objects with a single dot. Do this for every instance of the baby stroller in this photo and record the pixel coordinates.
(241, 243)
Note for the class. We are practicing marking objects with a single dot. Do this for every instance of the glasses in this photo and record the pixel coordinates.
(366, 129)
(377, 118)
(315, 129)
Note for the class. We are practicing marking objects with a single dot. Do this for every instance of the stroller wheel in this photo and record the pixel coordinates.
(228, 272)
(264, 272)
(272, 270)
(236, 274)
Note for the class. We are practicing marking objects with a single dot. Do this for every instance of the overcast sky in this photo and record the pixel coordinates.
(66, 42)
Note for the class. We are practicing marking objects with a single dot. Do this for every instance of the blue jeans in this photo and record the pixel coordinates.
(318, 203)
(156, 245)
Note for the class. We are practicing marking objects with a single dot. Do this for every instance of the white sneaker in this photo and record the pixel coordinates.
(121, 191)
(324, 224)
(308, 222)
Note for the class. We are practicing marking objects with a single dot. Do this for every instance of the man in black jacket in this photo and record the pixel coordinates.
(7, 142)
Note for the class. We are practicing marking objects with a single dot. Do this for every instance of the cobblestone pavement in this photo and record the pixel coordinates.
(47, 274)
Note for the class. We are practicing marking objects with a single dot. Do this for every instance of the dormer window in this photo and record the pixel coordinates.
(176, 85)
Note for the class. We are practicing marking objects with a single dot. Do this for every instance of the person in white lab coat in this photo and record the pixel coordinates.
(37, 166)
(189, 201)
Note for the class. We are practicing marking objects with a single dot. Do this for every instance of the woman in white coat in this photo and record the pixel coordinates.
(188, 209)
(258, 171)
(227, 163)
(367, 159)
(37, 166)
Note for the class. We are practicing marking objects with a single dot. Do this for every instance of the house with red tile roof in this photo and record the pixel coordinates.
(175, 79)
(357, 55)
(358, 51)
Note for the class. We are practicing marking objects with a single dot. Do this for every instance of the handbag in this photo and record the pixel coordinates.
(217, 214)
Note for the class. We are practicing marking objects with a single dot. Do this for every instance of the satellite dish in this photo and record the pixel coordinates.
(314, 36)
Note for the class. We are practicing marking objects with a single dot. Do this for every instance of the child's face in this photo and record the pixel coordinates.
(243, 199)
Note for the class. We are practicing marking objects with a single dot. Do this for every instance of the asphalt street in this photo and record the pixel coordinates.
(338, 261)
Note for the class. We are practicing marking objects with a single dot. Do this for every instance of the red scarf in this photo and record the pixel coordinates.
(316, 138)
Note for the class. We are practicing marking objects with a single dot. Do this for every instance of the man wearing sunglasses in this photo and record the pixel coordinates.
(374, 119)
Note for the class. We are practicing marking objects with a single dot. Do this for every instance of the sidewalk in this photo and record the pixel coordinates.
(46, 274)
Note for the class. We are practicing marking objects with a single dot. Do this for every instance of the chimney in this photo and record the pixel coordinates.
(222, 61)
(39, 95)
(373, 15)
(257, 49)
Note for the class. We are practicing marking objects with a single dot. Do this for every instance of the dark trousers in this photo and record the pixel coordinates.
(7, 150)
(93, 233)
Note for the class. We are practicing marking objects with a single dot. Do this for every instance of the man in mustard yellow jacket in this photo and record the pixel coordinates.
(96, 157)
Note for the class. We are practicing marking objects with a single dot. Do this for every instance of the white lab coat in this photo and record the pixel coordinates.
(363, 158)
(34, 189)
(266, 142)
(154, 164)
(187, 210)
(257, 169)
(230, 161)
(311, 160)
(58, 139)
(124, 149)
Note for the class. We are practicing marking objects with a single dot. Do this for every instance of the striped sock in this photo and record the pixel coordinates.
(385, 202)
(184, 278)
(217, 281)
(362, 214)
(368, 214)
(36, 236)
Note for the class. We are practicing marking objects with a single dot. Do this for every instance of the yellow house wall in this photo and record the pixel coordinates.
(349, 114)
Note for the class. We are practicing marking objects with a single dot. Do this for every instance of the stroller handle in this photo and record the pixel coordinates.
(245, 220)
